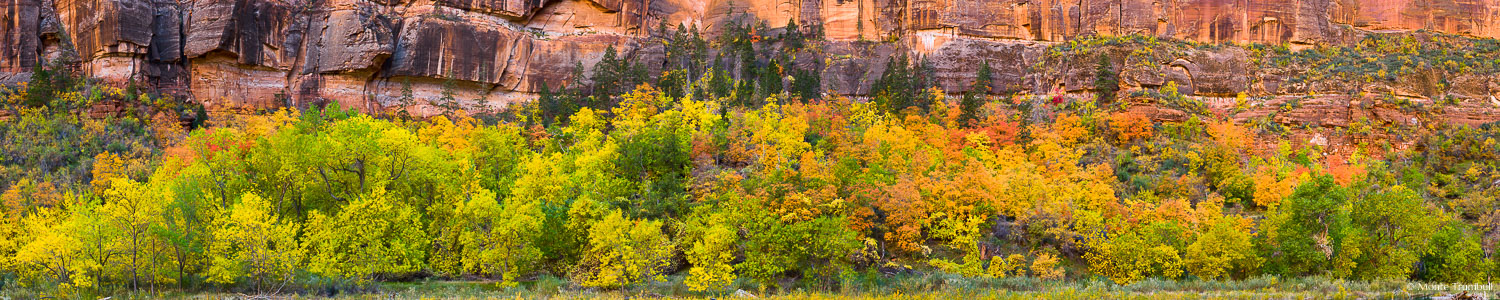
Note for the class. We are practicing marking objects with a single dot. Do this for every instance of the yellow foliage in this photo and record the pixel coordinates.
(1222, 251)
(637, 108)
(47, 249)
(623, 252)
(500, 240)
(1005, 267)
(107, 168)
(253, 245)
(134, 211)
(711, 254)
(368, 236)
(1229, 134)
(1138, 253)
(1045, 267)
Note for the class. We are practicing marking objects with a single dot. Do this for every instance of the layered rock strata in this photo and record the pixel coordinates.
(262, 54)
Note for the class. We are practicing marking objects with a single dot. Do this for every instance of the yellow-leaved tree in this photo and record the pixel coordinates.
(500, 240)
(133, 211)
(712, 252)
(49, 253)
(370, 236)
(1013, 265)
(623, 252)
(1224, 251)
(1130, 255)
(252, 245)
(1045, 267)
(107, 168)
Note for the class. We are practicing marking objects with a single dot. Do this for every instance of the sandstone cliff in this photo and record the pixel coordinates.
(261, 54)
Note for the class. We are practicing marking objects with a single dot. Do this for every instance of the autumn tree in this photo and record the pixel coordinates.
(709, 241)
(132, 210)
(1153, 250)
(370, 236)
(1304, 233)
(500, 238)
(49, 251)
(622, 252)
(1129, 127)
(254, 246)
(1224, 251)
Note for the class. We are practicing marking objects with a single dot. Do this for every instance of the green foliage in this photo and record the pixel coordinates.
(614, 75)
(554, 108)
(1456, 256)
(976, 97)
(1308, 230)
(657, 159)
(1106, 80)
(500, 240)
(47, 83)
(1391, 229)
(817, 248)
(807, 84)
(903, 85)
(770, 80)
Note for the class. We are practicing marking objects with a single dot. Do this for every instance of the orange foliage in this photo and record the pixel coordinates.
(1129, 127)
(1270, 188)
(1229, 134)
(1342, 171)
(906, 214)
(25, 195)
(107, 168)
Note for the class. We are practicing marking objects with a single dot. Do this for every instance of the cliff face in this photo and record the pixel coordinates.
(260, 54)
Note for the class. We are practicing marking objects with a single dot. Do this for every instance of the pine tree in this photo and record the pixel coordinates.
(975, 98)
(807, 84)
(893, 91)
(406, 100)
(606, 78)
(770, 80)
(553, 109)
(923, 77)
(792, 39)
(1106, 81)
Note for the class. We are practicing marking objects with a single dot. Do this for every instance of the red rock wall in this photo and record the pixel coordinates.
(263, 54)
